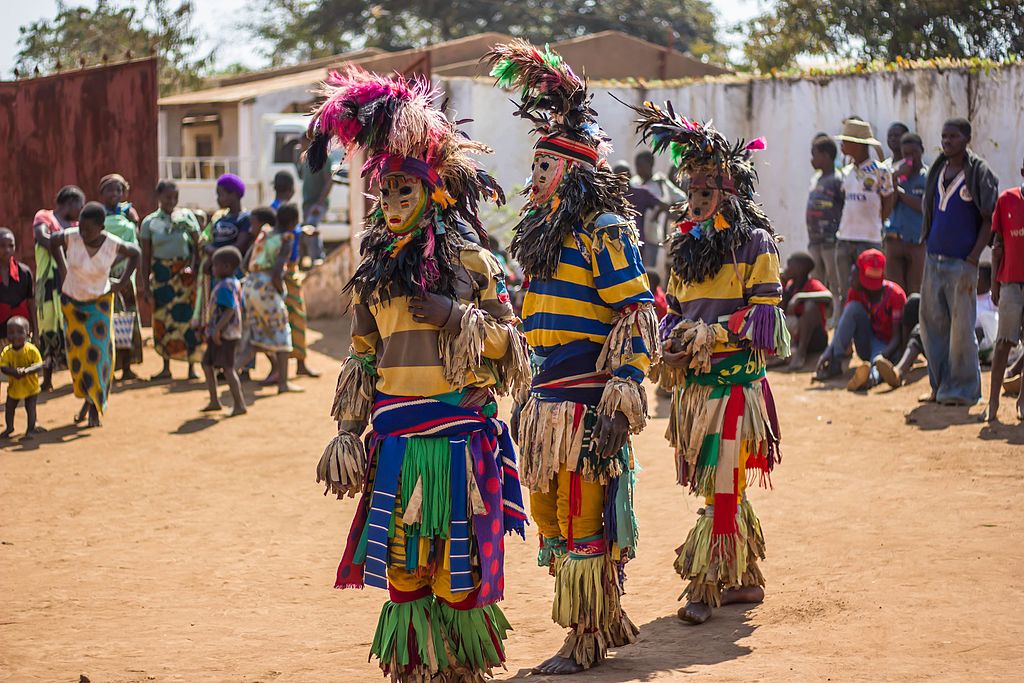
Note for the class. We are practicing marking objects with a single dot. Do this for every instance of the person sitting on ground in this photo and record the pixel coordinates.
(21, 362)
(1008, 287)
(807, 324)
(224, 328)
(871, 322)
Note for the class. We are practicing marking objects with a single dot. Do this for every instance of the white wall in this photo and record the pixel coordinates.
(788, 113)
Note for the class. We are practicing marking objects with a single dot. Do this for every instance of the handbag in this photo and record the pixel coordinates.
(124, 328)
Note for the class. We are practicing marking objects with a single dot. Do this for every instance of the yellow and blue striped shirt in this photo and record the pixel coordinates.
(597, 276)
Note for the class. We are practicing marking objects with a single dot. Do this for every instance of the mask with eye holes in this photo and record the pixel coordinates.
(547, 174)
(703, 201)
(403, 199)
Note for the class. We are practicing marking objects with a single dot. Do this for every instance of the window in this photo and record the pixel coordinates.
(286, 145)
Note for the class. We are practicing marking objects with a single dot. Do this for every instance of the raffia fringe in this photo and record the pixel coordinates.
(712, 563)
(627, 397)
(547, 440)
(515, 366)
(588, 600)
(407, 628)
(343, 465)
(688, 423)
(461, 352)
(475, 638)
(353, 397)
(618, 346)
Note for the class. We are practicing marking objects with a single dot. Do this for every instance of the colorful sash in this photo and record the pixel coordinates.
(485, 503)
(568, 374)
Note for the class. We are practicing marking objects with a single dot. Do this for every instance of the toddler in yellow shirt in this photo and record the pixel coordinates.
(21, 362)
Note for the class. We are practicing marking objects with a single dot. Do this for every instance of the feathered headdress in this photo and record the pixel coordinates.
(699, 151)
(394, 119)
(553, 97)
(556, 100)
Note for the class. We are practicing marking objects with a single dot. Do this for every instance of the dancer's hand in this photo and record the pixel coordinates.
(673, 357)
(433, 309)
(610, 435)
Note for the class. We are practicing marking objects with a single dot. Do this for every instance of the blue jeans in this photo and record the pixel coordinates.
(949, 313)
(854, 326)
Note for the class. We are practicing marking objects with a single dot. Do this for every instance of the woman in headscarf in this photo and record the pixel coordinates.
(122, 222)
(49, 317)
(170, 259)
(86, 257)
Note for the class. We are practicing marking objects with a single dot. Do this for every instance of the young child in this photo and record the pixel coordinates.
(224, 328)
(284, 189)
(807, 325)
(987, 324)
(22, 363)
(824, 209)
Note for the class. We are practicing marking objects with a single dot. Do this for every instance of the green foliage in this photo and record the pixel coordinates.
(297, 30)
(882, 30)
(83, 34)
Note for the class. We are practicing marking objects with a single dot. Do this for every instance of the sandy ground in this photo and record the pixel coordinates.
(172, 546)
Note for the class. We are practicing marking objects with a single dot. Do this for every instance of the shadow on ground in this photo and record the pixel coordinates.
(667, 645)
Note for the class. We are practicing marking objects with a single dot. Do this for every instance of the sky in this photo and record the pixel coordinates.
(215, 17)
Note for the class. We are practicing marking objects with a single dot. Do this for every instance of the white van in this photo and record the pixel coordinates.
(278, 143)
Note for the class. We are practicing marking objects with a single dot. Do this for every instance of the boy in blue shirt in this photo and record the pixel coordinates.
(904, 250)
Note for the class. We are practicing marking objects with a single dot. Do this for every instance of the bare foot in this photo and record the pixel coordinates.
(46, 386)
(270, 380)
(796, 364)
(991, 413)
(1020, 411)
(80, 415)
(212, 407)
(94, 421)
(192, 374)
(558, 666)
(27, 437)
(128, 375)
(743, 594)
(38, 430)
(239, 410)
(160, 376)
(927, 398)
(6, 434)
(306, 371)
(694, 613)
(291, 388)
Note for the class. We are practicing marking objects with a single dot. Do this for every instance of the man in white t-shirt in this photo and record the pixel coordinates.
(868, 201)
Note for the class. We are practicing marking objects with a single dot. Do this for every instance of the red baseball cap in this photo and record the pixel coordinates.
(871, 269)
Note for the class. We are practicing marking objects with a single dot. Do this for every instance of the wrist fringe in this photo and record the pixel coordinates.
(514, 369)
(461, 352)
(764, 326)
(639, 320)
(353, 397)
(342, 466)
(627, 397)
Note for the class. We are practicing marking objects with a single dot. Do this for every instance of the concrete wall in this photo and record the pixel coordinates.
(788, 113)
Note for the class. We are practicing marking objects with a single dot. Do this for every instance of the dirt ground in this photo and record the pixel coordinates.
(172, 546)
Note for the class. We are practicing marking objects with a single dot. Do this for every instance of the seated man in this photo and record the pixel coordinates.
(806, 323)
(871, 322)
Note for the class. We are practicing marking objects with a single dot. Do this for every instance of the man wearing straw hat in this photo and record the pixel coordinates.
(869, 198)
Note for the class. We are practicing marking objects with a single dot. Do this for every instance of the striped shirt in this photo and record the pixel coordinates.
(753, 278)
(582, 299)
(408, 361)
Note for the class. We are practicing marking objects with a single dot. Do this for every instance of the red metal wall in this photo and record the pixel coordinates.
(72, 129)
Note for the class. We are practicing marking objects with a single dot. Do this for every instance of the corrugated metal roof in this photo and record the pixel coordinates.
(245, 91)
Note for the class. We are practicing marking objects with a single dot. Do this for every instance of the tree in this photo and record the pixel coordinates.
(82, 35)
(297, 30)
(885, 30)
